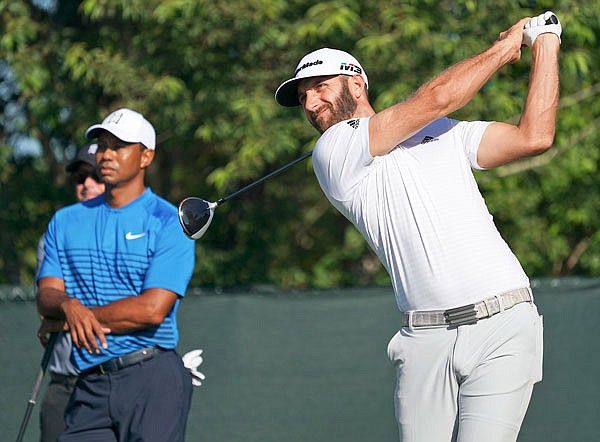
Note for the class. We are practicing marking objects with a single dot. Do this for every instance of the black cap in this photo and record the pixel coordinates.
(82, 157)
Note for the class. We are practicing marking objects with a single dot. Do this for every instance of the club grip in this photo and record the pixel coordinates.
(552, 20)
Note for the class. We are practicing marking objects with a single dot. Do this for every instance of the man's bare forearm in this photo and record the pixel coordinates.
(541, 104)
(136, 312)
(49, 302)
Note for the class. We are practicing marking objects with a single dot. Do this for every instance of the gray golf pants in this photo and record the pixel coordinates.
(468, 384)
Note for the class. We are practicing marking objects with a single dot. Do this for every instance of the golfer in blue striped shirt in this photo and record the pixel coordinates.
(115, 270)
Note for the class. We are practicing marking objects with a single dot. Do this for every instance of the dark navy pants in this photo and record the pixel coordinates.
(146, 402)
(52, 411)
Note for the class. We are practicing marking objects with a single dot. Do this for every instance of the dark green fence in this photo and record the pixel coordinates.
(312, 366)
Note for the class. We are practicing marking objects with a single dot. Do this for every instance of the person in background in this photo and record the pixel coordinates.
(114, 272)
(470, 345)
(83, 175)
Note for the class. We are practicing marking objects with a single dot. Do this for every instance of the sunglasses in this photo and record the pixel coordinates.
(80, 176)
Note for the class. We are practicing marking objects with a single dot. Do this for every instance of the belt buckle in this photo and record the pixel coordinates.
(101, 369)
(465, 315)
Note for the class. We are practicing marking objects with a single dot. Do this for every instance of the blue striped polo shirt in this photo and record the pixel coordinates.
(104, 254)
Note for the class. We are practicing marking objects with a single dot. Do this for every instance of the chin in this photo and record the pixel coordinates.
(320, 124)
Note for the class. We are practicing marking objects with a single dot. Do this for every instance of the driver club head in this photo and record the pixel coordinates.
(195, 215)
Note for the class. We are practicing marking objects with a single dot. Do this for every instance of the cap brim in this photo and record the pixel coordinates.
(94, 131)
(72, 166)
(287, 93)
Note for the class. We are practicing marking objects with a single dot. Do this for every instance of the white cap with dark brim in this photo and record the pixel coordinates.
(127, 125)
(322, 62)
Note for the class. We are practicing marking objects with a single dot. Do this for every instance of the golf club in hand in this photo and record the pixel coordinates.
(544, 23)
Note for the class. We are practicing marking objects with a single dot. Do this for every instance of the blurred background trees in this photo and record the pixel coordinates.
(204, 73)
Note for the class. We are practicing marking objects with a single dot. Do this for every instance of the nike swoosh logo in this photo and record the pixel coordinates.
(131, 236)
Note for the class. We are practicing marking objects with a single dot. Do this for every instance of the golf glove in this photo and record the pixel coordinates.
(191, 361)
(541, 24)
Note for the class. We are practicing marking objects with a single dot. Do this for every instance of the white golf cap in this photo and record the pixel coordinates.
(127, 125)
(318, 63)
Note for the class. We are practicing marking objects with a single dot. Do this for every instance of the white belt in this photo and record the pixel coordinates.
(467, 314)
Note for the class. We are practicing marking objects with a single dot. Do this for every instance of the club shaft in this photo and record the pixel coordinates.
(36, 385)
(260, 180)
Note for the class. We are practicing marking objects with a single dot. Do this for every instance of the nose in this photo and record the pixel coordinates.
(105, 154)
(311, 100)
(89, 181)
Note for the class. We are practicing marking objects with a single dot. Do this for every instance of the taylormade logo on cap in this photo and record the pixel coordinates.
(127, 125)
(322, 62)
(307, 65)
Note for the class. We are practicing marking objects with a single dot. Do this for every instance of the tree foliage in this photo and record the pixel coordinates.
(204, 72)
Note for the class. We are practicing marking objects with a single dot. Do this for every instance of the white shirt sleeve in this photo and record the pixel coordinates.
(471, 132)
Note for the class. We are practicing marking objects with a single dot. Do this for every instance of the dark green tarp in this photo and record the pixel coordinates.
(311, 366)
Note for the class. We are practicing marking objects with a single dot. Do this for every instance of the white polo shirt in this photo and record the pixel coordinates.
(421, 211)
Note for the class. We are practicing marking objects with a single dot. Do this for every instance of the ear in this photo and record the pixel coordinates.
(147, 157)
(356, 85)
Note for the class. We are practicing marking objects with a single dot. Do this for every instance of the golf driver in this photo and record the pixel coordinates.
(196, 214)
(37, 384)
